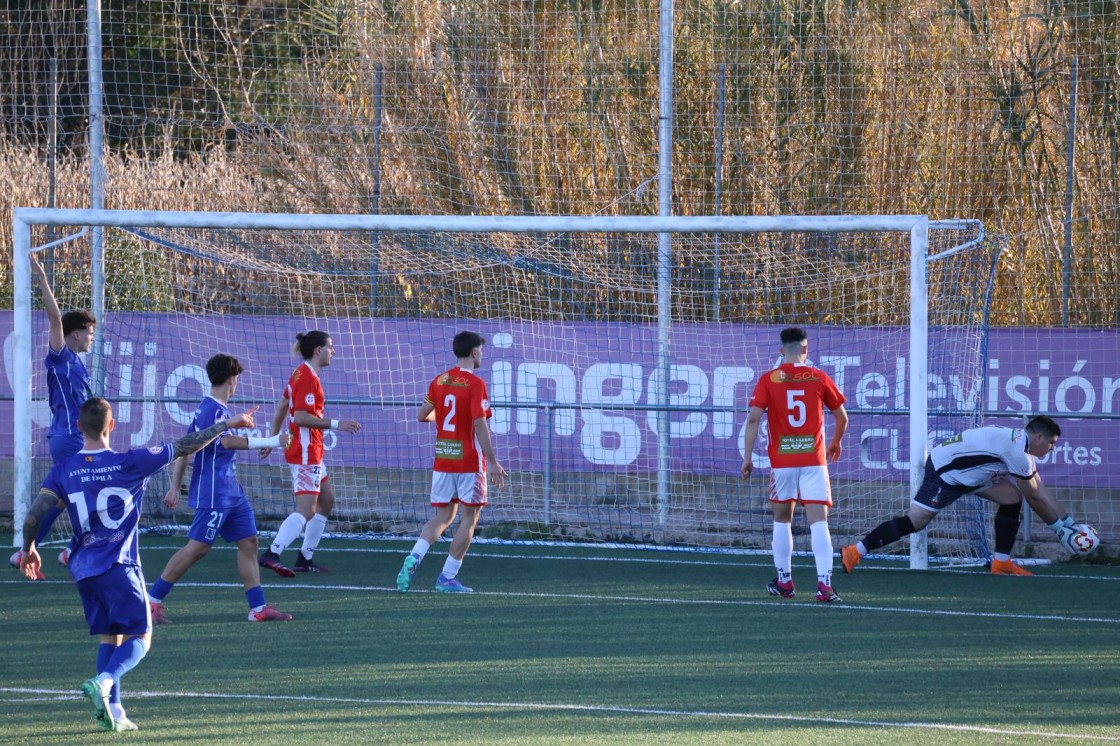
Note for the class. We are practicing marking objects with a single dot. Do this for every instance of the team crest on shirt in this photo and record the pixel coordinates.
(155, 450)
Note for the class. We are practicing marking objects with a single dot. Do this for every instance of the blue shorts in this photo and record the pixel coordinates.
(116, 602)
(232, 524)
(63, 446)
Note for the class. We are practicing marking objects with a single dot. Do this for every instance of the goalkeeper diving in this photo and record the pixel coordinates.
(995, 463)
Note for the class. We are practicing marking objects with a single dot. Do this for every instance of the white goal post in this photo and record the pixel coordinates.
(362, 237)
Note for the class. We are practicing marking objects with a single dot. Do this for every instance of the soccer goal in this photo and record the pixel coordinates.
(621, 354)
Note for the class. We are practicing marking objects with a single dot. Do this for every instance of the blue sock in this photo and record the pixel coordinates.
(125, 658)
(104, 653)
(255, 596)
(45, 526)
(160, 589)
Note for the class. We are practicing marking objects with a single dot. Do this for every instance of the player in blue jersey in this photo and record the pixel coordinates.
(68, 385)
(102, 492)
(221, 507)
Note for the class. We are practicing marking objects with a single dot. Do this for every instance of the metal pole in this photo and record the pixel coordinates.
(96, 184)
(721, 102)
(375, 201)
(21, 374)
(919, 376)
(549, 418)
(1067, 248)
(664, 252)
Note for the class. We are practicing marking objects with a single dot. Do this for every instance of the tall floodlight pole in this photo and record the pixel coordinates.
(96, 182)
(664, 252)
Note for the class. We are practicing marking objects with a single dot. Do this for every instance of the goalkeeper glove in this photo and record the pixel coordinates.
(1063, 527)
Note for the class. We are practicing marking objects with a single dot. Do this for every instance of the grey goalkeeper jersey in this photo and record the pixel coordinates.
(977, 457)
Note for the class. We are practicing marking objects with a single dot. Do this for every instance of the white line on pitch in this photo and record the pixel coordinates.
(58, 695)
(671, 601)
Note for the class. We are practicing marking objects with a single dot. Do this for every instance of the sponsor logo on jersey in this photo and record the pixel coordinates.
(155, 450)
(309, 400)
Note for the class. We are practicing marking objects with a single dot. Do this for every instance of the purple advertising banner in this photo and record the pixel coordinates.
(578, 394)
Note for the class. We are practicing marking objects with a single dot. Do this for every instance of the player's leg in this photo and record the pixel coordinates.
(200, 537)
(441, 498)
(240, 528)
(113, 601)
(448, 580)
(933, 495)
(816, 497)
(471, 490)
(316, 525)
(1007, 496)
(306, 479)
(783, 498)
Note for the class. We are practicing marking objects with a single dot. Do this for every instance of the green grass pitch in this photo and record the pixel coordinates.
(584, 646)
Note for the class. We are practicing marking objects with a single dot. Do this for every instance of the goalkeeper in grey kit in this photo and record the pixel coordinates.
(996, 463)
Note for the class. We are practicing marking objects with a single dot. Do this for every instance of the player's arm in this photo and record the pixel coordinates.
(278, 418)
(31, 561)
(750, 436)
(832, 453)
(306, 419)
(196, 441)
(250, 443)
(1041, 500)
(178, 469)
(427, 412)
(486, 443)
(54, 314)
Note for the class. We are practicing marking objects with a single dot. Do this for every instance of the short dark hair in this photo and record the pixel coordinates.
(308, 342)
(72, 321)
(465, 343)
(222, 367)
(793, 334)
(1043, 424)
(94, 415)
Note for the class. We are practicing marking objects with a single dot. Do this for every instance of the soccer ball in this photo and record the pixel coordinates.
(15, 558)
(1081, 539)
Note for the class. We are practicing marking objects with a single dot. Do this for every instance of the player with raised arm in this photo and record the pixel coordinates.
(68, 386)
(102, 491)
(794, 396)
(303, 404)
(459, 405)
(979, 461)
(221, 507)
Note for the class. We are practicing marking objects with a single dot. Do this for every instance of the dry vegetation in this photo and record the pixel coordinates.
(948, 108)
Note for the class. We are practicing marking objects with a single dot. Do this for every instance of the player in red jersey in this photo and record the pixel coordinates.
(459, 405)
(303, 406)
(794, 397)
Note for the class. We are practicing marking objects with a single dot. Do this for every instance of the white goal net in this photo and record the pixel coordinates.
(597, 337)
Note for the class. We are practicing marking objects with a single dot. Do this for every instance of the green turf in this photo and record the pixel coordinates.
(585, 646)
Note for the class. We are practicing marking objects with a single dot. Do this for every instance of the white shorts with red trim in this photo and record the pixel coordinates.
(806, 484)
(468, 489)
(306, 478)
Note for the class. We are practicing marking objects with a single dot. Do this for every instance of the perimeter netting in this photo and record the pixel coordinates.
(572, 364)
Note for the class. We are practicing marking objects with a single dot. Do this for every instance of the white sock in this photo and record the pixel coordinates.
(822, 551)
(451, 567)
(289, 531)
(782, 546)
(861, 548)
(312, 533)
(420, 548)
(1001, 556)
(117, 709)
